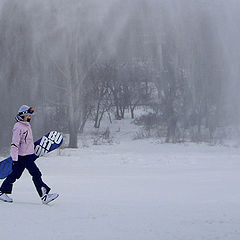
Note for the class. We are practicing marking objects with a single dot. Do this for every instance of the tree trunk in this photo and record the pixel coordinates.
(109, 117)
(73, 143)
(132, 109)
(118, 117)
(100, 119)
(73, 126)
(122, 111)
(97, 116)
(171, 130)
(132, 113)
(83, 124)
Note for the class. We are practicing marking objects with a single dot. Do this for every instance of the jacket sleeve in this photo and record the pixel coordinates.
(15, 143)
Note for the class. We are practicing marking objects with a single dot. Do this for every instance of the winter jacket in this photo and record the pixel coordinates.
(22, 140)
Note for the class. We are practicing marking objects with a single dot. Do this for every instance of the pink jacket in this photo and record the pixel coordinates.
(22, 140)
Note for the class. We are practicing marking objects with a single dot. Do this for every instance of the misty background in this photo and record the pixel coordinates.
(78, 61)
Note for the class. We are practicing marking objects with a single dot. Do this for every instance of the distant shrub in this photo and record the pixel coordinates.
(148, 121)
(103, 138)
(151, 126)
(141, 134)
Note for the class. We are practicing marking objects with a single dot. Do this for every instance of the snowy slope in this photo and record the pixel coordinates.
(131, 190)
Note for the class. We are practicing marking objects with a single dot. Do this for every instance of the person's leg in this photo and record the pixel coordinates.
(36, 176)
(18, 168)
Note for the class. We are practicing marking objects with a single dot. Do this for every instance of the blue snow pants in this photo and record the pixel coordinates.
(18, 168)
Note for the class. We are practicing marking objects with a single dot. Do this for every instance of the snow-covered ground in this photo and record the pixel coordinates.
(130, 190)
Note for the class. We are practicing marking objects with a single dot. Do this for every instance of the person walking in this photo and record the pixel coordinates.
(22, 153)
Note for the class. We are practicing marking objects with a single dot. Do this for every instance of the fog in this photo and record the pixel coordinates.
(75, 61)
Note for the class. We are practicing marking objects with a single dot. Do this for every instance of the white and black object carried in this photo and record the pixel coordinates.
(44, 145)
